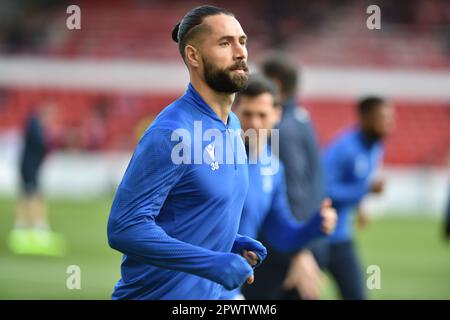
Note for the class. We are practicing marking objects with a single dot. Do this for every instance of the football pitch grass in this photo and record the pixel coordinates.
(413, 257)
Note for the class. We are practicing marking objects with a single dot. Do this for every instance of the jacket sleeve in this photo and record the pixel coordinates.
(338, 162)
(280, 227)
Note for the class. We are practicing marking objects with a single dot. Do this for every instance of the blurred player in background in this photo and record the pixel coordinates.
(266, 207)
(32, 233)
(176, 222)
(350, 163)
(299, 153)
(447, 219)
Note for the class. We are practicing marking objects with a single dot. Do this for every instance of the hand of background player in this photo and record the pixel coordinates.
(362, 218)
(377, 186)
(329, 217)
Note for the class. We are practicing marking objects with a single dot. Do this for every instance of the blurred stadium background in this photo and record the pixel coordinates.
(109, 79)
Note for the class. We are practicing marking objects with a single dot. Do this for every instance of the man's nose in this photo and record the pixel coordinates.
(240, 52)
(255, 123)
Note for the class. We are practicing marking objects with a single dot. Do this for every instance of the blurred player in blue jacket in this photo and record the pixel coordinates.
(266, 207)
(350, 163)
(176, 218)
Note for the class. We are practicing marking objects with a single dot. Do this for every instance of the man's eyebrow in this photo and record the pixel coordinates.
(243, 37)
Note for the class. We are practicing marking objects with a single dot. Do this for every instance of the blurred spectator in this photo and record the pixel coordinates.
(314, 31)
(93, 129)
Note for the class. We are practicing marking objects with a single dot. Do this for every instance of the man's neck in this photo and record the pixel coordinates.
(218, 101)
(288, 102)
(369, 137)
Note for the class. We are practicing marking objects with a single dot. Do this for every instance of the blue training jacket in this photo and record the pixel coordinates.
(176, 223)
(266, 209)
(349, 162)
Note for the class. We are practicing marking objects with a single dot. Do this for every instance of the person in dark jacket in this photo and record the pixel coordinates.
(284, 276)
(31, 233)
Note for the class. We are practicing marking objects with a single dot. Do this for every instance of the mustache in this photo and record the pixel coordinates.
(239, 65)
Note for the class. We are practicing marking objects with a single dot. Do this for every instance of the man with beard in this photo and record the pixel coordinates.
(176, 221)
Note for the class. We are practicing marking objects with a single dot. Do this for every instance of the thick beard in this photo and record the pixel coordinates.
(221, 80)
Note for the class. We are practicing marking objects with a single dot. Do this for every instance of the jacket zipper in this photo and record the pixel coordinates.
(231, 146)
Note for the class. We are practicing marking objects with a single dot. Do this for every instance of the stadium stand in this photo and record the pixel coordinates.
(140, 30)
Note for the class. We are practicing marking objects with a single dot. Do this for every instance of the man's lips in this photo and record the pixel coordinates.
(240, 67)
(243, 71)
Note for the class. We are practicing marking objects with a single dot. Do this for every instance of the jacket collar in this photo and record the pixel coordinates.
(192, 95)
(365, 140)
(289, 104)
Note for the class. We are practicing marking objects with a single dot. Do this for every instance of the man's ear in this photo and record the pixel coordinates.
(192, 56)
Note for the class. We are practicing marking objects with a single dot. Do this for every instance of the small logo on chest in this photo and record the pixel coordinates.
(210, 150)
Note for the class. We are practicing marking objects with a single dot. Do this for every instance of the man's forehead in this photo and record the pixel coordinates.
(260, 102)
(222, 25)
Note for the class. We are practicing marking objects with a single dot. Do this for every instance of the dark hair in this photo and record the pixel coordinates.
(279, 67)
(367, 104)
(188, 27)
(257, 84)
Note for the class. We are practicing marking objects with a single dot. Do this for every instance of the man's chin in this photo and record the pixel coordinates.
(240, 82)
(232, 84)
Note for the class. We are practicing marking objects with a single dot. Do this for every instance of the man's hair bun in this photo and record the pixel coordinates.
(175, 32)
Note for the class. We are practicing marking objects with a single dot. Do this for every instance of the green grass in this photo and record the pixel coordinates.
(414, 260)
(84, 225)
(413, 257)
